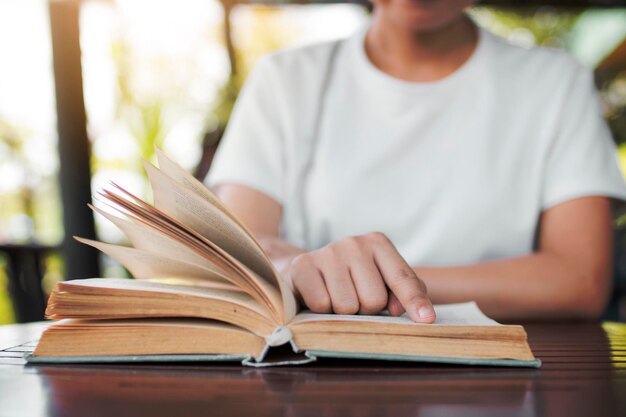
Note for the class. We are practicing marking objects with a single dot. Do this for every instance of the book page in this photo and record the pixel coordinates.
(189, 182)
(144, 237)
(144, 264)
(207, 220)
(211, 222)
(235, 271)
(137, 209)
(462, 314)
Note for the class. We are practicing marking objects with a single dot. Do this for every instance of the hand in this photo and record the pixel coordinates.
(363, 274)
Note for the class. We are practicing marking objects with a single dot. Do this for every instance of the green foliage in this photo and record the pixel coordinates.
(53, 271)
(6, 307)
(142, 116)
(29, 201)
(614, 95)
(147, 126)
(226, 98)
(264, 30)
(13, 142)
(546, 25)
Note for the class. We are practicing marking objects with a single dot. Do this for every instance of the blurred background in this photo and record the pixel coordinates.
(88, 88)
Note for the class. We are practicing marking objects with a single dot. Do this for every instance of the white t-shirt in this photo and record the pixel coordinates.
(454, 171)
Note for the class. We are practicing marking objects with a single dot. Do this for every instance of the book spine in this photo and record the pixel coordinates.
(279, 336)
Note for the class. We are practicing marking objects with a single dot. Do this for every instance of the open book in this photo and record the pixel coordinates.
(205, 290)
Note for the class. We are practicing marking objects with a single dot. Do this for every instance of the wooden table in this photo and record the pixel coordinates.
(583, 374)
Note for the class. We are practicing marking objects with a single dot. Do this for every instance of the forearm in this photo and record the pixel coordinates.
(570, 277)
(537, 286)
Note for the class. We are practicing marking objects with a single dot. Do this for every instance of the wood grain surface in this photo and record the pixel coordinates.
(583, 374)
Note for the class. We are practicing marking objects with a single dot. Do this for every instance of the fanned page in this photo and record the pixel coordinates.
(234, 271)
(189, 182)
(158, 254)
(144, 264)
(184, 198)
(146, 238)
(207, 220)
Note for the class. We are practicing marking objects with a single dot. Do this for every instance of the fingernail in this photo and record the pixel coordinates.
(426, 312)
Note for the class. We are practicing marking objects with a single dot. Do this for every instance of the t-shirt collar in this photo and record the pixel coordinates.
(374, 75)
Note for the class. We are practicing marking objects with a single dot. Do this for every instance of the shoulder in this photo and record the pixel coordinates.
(298, 66)
(311, 55)
(536, 68)
(530, 58)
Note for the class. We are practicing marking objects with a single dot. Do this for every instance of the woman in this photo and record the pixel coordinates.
(424, 153)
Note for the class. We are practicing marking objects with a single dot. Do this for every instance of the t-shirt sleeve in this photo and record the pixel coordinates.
(582, 160)
(251, 151)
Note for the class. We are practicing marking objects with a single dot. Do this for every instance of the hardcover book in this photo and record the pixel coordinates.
(204, 290)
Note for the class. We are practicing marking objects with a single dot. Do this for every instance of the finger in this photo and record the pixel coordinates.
(309, 285)
(369, 285)
(343, 295)
(402, 281)
(393, 306)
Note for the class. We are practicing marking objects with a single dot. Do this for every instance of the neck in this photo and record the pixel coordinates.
(420, 56)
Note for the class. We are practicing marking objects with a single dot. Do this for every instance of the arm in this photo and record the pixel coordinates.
(569, 277)
(349, 276)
